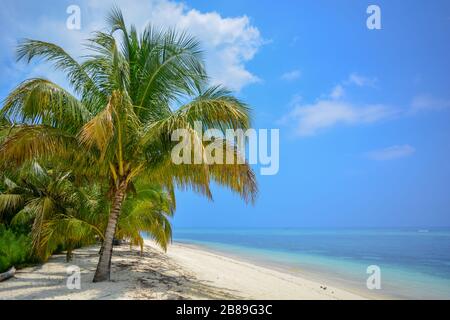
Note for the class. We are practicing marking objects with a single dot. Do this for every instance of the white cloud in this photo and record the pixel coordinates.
(229, 42)
(331, 110)
(337, 92)
(353, 79)
(291, 75)
(427, 102)
(391, 153)
(361, 81)
(312, 118)
(294, 41)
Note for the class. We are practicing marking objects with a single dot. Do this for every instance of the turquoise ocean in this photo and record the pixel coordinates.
(414, 262)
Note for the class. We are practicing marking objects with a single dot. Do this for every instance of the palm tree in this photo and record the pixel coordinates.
(62, 215)
(129, 95)
(59, 213)
(147, 210)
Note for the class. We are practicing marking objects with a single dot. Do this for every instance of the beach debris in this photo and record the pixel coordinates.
(8, 274)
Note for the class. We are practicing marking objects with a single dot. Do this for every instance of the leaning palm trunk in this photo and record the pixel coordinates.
(69, 254)
(104, 264)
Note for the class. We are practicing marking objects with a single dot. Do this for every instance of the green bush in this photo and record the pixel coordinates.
(14, 249)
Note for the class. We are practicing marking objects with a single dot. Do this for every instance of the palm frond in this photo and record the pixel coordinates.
(99, 130)
(107, 66)
(10, 202)
(172, 66)
(78, 77)
(216, 108)
(41, 101)
(36, 141)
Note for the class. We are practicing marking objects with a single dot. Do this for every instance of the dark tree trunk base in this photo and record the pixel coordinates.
(103, 271)
(8, 274)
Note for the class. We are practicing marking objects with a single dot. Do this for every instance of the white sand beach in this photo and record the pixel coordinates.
(184, 272)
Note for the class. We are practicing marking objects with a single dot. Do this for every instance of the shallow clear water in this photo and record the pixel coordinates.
(414, 263)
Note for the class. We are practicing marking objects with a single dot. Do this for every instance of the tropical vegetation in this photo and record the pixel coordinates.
(15, 248)
(92, 162)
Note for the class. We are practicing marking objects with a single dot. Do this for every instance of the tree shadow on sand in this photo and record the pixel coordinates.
(161, 276)
(151, 275)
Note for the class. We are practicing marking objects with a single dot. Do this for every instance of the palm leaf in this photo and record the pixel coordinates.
(41, 101)
(78, 77)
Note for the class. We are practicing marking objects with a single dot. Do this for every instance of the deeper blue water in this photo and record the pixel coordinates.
(414, 263)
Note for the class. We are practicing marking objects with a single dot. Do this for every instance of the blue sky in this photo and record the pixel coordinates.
(363, 114)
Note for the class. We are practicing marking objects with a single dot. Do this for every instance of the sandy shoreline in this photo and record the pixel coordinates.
(185, 272)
